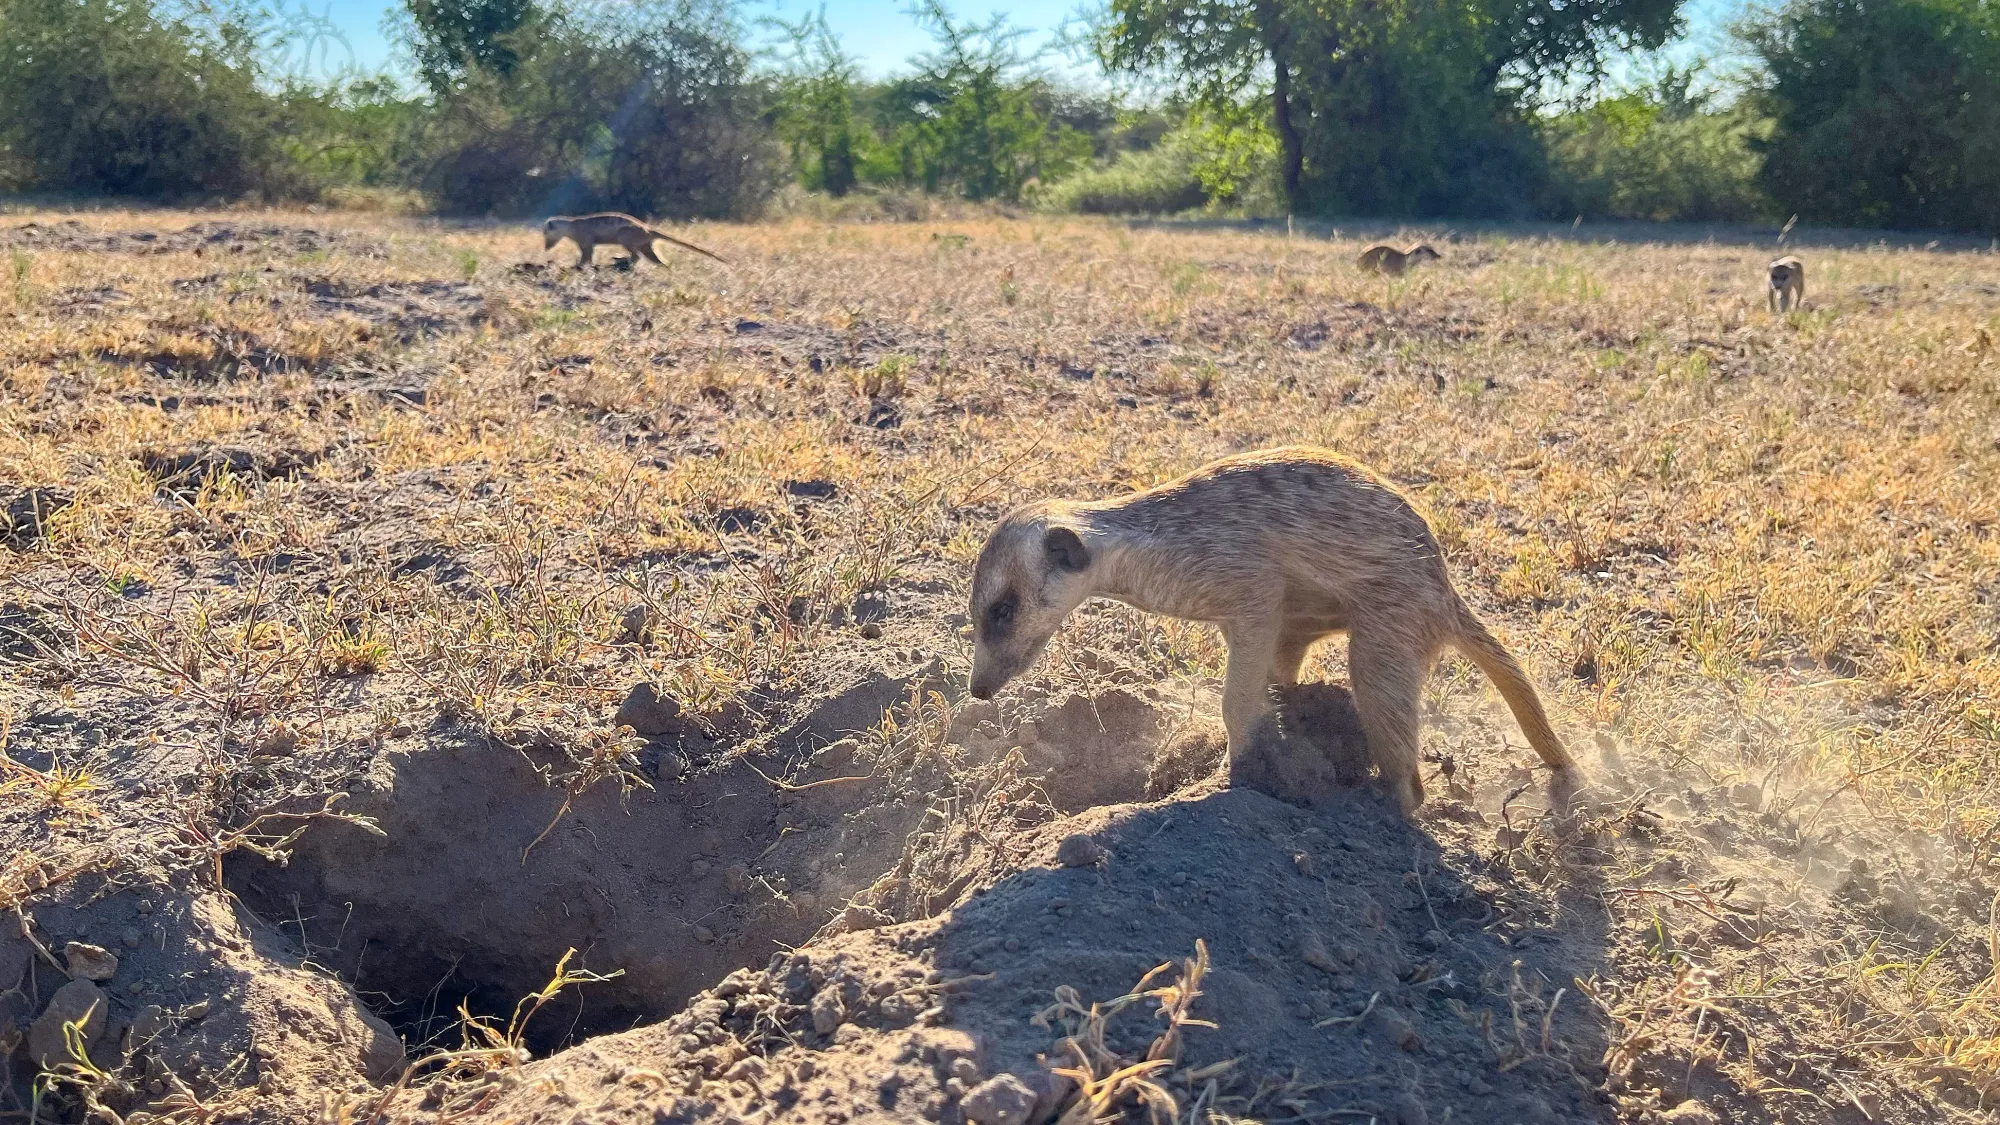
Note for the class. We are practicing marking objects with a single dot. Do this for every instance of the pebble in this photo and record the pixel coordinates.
(703, 934)
(1080, 850)
(872, 631)
(90, 962)
(699, 869)
(129, 938)
(1001, 1100)
(79, 1002)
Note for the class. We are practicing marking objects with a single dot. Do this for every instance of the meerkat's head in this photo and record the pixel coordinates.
(1034, 569)
(1421, 251)
(552, 232)
(1781, 272)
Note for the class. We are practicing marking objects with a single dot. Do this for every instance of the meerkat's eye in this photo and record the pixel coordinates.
(1002, 611)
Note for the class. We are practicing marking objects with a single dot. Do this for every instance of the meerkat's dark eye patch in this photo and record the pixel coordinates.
(1000, 615)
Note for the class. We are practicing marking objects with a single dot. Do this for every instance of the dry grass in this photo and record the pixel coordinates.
(1757, 550)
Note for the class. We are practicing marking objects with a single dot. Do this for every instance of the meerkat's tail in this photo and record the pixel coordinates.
(663, 236)
(1485, 650)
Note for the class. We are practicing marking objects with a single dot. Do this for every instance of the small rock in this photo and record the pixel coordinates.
(670, 766)
(827, 1010)
(1027, 734)
(699, 869)
(1313, 951)
(1689, 1112)
(634, 627)
(737, 877)
(1080, 851)
(1011, 945)
(649, 713)
(965, 1070)
(1406, 1109)
(90, 962)
(80, 1003)
(703, 934)
(195, 1011)
(806, 1068)
(1052, 1092)
(1748, 795)
(145, 906)
(858, 917)
(1395, 1029)
(871, 631)
(1001, 1100)
(129, 938)
(746, 1070)
(1304, 862)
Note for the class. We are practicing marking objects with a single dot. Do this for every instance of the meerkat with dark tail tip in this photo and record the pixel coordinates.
(1384, 258)
(588, 231)
(1788, 284)
(1279, 548)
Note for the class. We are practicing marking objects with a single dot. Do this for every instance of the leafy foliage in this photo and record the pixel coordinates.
(116, 97)
(648, 107)
(1383, 105)
(450, 37)
(1887, 112)
(1662, 150)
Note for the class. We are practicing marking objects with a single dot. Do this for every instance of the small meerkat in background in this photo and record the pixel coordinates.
(587, 231)
(1280, 548)
(1384, 258)
(1788, 284)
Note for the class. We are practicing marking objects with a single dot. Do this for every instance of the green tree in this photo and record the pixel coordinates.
(450, 37)
(1887, 112)
(971, 119)
(1383, 105)
(816, 119)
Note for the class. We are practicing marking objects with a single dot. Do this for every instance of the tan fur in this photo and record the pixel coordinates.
(588, 231)
(1279, 548)
(1788, 284)
(1384, 258)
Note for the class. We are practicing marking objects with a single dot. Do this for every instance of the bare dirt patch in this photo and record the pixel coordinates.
(214, 236)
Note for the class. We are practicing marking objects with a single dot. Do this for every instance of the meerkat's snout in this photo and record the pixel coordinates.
(549, 236)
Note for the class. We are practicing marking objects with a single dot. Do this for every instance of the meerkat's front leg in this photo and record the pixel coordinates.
(1246, 684)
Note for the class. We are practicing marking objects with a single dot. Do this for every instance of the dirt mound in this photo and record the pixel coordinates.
(179, 999)
(73, 236)
(1349, 973)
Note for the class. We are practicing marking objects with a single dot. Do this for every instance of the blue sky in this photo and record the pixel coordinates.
(880, 33)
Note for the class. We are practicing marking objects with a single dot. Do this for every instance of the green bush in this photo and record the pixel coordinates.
(1659, 152)
(1226, 159)
(1886, 112)
(648, 107)
(116, 97)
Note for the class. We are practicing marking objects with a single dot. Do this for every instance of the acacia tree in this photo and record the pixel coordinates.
(815, 113)
(1380, 104)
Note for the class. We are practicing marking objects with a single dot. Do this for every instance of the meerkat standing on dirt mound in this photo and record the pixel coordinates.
(587, 231)
(1788, 284)
(1280, 548)
(1384, 258)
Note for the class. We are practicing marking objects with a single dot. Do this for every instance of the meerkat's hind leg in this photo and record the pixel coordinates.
(652, 255)
(1387, 679)
(1246, 683)
(586, 253)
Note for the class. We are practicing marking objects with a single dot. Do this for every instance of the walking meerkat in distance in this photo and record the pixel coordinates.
(1788, 284)
(1279, 548)
(612, 227)
(1384, 258)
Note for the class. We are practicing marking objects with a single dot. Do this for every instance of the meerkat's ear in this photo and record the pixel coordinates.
(1065, 549)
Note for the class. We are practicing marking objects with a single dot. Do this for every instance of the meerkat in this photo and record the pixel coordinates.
(1280, 548)
(1384, 258)
(1788, 284)
(612, 227)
